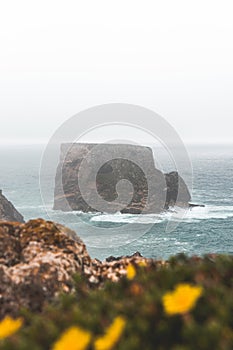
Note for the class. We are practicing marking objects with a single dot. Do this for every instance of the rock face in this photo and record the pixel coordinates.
(174, 181)
(150, 192)
(8, 211)
(37, 259)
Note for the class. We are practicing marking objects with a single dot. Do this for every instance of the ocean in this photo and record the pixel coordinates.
(202, 230)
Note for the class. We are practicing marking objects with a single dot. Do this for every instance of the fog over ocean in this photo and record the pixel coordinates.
(202, 230)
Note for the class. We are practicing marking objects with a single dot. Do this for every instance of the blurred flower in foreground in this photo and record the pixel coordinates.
(131, 272)
(182, 300)
(142, 263)
(73, 338)
(112, 335)
(9, 326)
(136, 289)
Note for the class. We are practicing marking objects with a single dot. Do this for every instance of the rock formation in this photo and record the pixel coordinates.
(8, 211)
(38, 260)
(174, 181)
(150, 192)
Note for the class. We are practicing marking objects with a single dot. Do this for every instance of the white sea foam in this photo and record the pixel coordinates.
(128, 218)
(210, 212)
(176, 214)
(30, 207)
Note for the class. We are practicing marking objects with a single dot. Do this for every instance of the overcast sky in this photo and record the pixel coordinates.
(60, 57)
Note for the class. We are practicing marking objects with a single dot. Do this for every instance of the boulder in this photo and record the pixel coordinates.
(8, 211)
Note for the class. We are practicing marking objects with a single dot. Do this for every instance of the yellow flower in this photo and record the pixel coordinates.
(112, 335)
(142, 263)
(182, 299)
(74, 338)
(9, 326)
(131, 272)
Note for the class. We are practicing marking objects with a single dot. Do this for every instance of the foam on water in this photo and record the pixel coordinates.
(176, 214)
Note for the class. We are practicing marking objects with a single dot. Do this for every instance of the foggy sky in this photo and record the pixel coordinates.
(60, 57)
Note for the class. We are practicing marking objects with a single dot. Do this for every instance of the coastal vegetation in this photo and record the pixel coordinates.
(185, 303)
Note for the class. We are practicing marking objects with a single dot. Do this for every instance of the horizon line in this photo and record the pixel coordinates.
(32, 142)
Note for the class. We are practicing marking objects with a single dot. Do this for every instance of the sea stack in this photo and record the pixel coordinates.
(7, 210)
(151, 191)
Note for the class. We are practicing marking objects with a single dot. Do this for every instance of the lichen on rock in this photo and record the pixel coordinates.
(37, 259)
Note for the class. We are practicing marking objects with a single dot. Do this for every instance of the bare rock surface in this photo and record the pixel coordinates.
(38, 260)
(151, 191)
(175, 183)
(8, 211)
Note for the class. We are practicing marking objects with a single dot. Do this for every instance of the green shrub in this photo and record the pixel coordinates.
(139, 301)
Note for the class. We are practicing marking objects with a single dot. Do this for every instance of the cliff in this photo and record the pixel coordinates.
(151, 191)
(39, 258)
(36, 260)
(8, 211)
(174, 181)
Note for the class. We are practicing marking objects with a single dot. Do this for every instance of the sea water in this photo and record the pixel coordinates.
(201, 230)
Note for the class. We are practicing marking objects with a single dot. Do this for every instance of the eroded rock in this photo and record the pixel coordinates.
(8, 211)
(151, 191)
(175, 183)
(37, 260)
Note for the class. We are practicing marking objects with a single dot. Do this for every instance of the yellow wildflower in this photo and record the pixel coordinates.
(9, 326)
(131, 272)
(142, 263)
(112, 335)
(182, 300)
(74, 338)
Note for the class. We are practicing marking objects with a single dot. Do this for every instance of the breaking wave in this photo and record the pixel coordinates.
(190, 215)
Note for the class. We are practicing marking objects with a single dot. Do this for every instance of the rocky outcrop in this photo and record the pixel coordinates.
(114, 258)
(38, 260)
(175, 182)
(8, 211)
(150, 192)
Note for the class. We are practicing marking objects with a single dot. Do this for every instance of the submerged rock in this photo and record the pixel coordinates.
(150, 192)
(8, 211)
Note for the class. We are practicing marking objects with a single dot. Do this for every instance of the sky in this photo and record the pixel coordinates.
(60, 57)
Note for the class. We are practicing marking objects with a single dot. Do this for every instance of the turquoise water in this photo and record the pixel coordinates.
(202, 230)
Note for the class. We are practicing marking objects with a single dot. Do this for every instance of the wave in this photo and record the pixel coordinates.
(194, 214)
(210, 212)
(128, 218)
(30, 207)
(175, 214)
